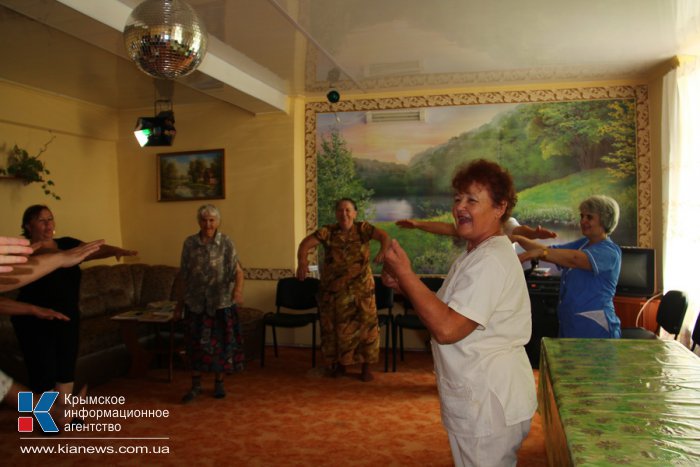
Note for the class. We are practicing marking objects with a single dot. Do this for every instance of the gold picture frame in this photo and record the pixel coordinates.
(191, 175)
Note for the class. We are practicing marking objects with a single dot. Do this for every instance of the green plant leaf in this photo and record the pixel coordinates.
(29, 168)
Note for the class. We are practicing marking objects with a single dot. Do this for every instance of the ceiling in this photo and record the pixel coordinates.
(263, 51)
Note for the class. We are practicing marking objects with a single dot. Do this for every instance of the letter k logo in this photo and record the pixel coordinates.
(25, 403)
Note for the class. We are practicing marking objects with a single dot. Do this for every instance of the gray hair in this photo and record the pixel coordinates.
(209, 209)
(606, 208)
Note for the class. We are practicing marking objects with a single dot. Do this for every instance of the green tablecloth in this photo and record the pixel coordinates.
(620, 402)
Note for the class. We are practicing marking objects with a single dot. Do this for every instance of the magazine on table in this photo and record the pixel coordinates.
(155, 312)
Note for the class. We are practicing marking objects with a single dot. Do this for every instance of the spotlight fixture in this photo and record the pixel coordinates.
(156, 131)
(333, 96)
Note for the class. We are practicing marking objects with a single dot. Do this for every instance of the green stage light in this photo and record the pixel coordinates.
(156, 131)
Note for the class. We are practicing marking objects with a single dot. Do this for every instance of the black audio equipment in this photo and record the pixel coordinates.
(544, 297)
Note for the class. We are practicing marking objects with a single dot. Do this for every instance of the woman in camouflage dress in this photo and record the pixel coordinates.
(349, 328)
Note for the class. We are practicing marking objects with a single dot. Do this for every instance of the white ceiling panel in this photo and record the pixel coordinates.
(263, 51)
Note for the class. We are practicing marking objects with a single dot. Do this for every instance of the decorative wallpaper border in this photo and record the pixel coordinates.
(639, 93)
(262, 274)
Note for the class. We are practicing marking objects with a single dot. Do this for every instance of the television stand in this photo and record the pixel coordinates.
(627, 309)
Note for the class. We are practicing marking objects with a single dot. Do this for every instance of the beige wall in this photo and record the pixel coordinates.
(82, 160)
(261, 211)
(258, 210)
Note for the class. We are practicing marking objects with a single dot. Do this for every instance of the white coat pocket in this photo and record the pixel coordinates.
(465, 408)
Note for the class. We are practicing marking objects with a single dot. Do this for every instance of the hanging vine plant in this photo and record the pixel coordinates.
(30, 169)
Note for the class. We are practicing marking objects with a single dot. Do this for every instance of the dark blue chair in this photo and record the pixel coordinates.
(669, 316)
(695, 337)
(409, 319)
(297, 295)
(384, 298)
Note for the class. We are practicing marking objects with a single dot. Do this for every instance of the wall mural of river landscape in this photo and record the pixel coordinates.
(559, 152)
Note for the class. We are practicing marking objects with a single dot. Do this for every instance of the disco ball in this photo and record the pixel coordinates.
(165, 38)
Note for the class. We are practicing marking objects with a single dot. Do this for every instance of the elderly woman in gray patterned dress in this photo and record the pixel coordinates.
(211, 280)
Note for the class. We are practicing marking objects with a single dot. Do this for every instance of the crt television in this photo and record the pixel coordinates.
(637, 272)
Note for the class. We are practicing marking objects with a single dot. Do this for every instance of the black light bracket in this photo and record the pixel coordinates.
(158, 130)
(161, 106)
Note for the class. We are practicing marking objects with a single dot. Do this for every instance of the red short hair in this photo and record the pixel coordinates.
(494, 178)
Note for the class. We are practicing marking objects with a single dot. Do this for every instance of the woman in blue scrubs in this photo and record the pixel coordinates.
(590, 268)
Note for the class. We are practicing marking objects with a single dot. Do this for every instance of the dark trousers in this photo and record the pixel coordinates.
(50, 350)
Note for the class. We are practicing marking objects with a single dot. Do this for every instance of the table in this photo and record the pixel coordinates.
(627, 309)
(141, 357)
(620, 402)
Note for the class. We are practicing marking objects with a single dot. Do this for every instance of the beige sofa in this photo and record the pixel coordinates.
(106, 291)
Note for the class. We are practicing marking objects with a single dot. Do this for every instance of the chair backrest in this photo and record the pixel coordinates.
(433, 283)
(671, 311)
(383, 295)
(295, 294)
(695, 337)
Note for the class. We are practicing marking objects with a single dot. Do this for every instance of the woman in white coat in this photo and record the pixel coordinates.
(479, 323)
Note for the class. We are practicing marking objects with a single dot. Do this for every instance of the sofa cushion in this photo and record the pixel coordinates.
(91, 302)
(138, 271)
(158, 284)
(106, 288)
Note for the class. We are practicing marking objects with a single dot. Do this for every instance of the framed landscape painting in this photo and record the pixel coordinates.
(191, 175)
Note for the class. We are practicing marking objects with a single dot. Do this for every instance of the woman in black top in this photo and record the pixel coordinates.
(50, 348)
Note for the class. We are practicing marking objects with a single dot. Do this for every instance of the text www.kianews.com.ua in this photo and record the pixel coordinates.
(64, 448)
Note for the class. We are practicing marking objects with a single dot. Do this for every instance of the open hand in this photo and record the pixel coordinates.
(406, 223)
(12, 250)
(79, 253)
(302, 271)
(45, 313)
(124, 252)
(542, 233)
(379, 258)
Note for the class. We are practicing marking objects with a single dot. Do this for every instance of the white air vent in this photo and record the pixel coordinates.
(411, 67)
(384, 116)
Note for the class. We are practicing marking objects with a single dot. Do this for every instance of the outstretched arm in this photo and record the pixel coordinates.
(438, 228)
(560, 256)
(107, 251)
(40, 265)
(303, 255)
(13, 307)
(538, 233)
(13, 250)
